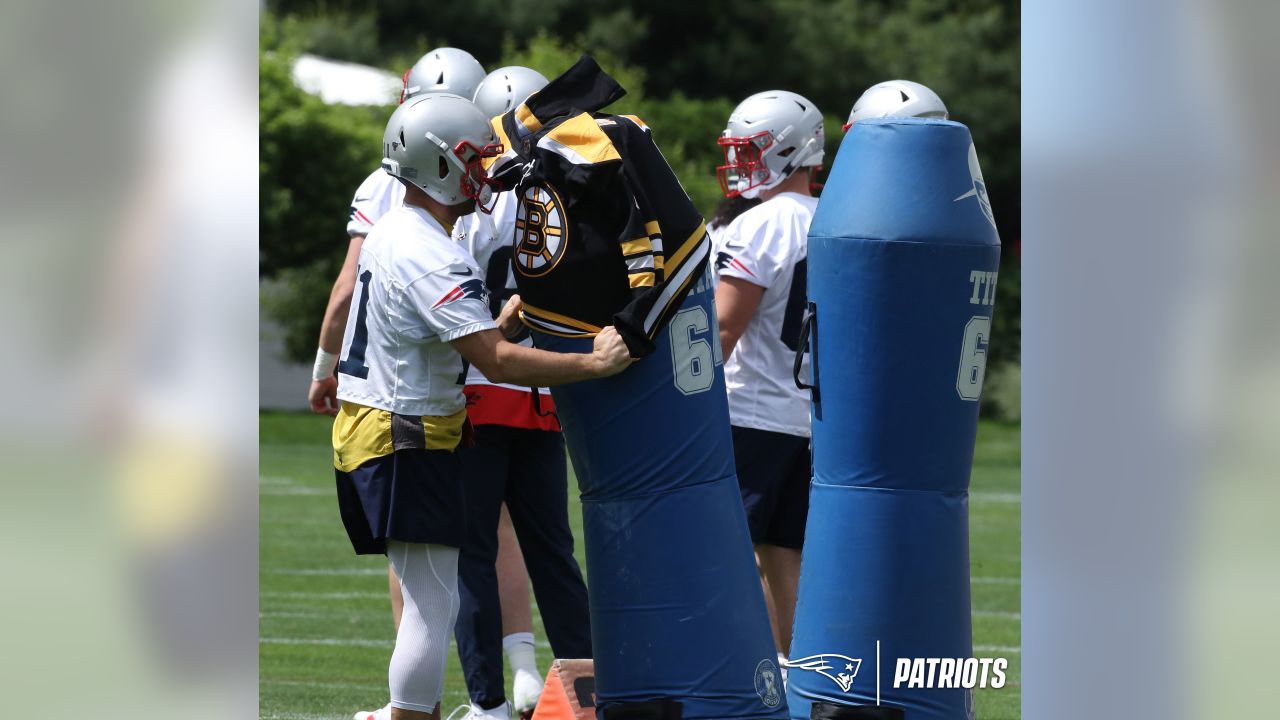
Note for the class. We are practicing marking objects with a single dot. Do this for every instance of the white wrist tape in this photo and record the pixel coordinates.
(325, 363)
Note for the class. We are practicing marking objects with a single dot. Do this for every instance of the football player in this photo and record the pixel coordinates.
(441, 70)
(896, 98)
(773, 145)
(519, 459)
(421, 308)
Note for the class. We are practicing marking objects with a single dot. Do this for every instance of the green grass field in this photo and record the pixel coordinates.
(325, 624)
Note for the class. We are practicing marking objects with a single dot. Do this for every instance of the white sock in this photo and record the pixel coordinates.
(520, 652)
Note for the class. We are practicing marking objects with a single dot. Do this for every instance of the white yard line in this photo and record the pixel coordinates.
(349, 642)
(328, 686)
(325, 595)
(998, 614)
(986, 580)
(380, 571)
(295, 490)
(1006, 649)
(346, 642)
(996, 497)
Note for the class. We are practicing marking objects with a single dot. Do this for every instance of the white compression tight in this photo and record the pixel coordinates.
(429, 581)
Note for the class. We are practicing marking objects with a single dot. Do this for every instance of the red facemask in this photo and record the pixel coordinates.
(743, 167)
(476, 183)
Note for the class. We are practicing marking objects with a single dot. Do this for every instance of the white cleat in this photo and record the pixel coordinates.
(382, 713)
(525, 691)
(474, 712)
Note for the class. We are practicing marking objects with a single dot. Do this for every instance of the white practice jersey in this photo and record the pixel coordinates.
(768, 246)
(489, 240)
(416, 290)
(378, 195)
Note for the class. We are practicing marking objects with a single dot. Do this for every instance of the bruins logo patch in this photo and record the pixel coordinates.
(540, 236)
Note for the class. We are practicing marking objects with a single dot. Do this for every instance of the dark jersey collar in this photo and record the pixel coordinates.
(585, 87)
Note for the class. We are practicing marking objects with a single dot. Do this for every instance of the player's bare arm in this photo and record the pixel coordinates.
(506, 362)
(335, 315)
(323, 395)
(736, 303)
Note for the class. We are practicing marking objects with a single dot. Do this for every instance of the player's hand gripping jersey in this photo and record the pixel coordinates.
(416, 291)
(767, 246)
(378, 195)
(605, 234)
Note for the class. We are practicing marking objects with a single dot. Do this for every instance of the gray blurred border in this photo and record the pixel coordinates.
(1150, 359)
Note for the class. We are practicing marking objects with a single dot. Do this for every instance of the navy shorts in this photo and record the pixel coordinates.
(414, 496)
(773, 475)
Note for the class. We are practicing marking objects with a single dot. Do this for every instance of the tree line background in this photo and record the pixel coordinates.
(685, 64)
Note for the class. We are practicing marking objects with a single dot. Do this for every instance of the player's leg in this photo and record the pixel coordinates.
(428, 582)
(517, 618)
(768, 601)
(780, 551)
(409, 507)
(538, 498)
(782, 570)
(479, 627)
(513, 579)
(755, 461)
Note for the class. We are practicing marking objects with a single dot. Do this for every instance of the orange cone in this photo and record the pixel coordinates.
(569, 692)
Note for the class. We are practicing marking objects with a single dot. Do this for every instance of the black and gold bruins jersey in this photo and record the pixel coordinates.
(604, 232)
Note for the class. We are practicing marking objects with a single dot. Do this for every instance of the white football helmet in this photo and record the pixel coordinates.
(437, 142)
(444, 69)
(897, 98)
(507, 87)
(769, 137)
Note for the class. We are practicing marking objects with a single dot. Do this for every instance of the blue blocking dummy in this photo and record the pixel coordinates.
(676, 606)
(903, 254)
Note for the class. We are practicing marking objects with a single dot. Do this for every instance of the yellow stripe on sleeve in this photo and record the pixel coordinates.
(641, 279)
(525, 117)
(583, 136)
(679, 255)
(637, 246)
(539, 313)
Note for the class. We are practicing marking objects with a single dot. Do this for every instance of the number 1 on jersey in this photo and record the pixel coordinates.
(353, 364)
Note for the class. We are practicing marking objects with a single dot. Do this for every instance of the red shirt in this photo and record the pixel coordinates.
(493, 405)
